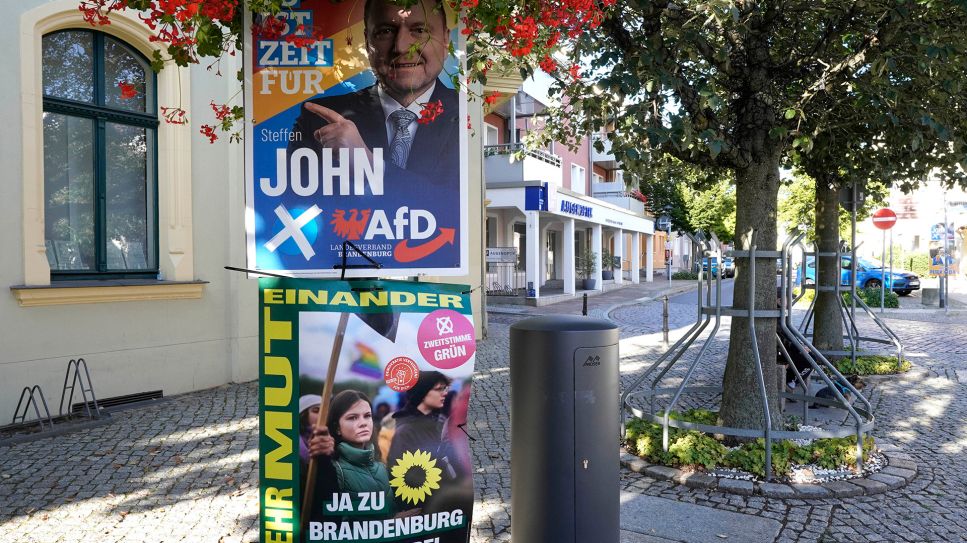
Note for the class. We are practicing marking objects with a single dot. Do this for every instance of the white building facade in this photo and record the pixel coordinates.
(547, 207)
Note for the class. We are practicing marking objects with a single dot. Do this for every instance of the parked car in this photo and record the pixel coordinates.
(869, 274)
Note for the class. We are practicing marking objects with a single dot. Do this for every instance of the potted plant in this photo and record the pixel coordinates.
(607, 265)
(587, 264)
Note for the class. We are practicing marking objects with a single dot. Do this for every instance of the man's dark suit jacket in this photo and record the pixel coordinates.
(434, 157)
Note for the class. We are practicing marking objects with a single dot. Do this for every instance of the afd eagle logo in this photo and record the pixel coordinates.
(353, 227)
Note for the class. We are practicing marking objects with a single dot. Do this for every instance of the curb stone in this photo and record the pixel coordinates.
(897, 474)
(735, 486)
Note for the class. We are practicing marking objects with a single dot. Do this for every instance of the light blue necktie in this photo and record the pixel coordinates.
(402, 139)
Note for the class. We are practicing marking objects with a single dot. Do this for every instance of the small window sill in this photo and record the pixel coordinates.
(94, 292)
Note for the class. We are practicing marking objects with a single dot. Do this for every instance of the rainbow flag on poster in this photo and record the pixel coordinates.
(349, 140)
(367, 364)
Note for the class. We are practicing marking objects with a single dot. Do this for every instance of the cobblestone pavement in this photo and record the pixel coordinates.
(920, 414)
(186, 469)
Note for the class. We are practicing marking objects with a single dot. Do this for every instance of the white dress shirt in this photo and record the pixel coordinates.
(390, 105)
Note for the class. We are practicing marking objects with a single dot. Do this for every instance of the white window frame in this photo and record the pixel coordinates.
(489, 130)
(578, 178)
(175, 246)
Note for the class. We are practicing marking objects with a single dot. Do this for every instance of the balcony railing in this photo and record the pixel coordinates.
(502, 166)
(518, 148)
(617, 194)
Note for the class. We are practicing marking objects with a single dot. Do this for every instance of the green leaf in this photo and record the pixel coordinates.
(790, 114)
(157, 63)
(715, 147)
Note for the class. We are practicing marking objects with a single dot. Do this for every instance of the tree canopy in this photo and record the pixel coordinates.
(797, 206)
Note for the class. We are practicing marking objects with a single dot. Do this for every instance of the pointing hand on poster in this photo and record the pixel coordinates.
(339, 133)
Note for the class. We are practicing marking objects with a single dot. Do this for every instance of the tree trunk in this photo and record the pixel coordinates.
(757, 188)
(828, 318)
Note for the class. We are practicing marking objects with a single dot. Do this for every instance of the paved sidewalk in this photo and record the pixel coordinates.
(186, 469)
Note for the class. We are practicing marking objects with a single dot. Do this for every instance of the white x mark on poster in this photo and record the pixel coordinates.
(292, 228)
(444, 325)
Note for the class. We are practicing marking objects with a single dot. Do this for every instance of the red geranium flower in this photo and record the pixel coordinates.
(208, 131)
(431, 110)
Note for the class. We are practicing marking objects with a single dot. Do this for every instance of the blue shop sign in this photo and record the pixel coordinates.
(535, 198)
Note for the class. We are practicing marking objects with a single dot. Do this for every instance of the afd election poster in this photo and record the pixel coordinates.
(363, 391)
(356, 133)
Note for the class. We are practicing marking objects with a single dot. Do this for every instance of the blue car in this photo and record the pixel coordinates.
(870, 274)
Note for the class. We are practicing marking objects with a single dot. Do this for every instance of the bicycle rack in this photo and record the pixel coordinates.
(862, 416)
(77, 365)
(31, 394)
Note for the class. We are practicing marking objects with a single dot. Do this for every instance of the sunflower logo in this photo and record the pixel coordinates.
(415, 476)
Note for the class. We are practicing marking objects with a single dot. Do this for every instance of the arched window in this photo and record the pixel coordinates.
(100, 147)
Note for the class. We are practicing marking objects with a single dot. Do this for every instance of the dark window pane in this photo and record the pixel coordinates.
(122, 65)
(130, 206)
(68, 65)
(68, 192)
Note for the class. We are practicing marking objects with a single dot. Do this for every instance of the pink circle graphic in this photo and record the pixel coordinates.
(446, 339)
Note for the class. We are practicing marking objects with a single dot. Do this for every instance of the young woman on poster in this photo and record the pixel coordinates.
(349, 464)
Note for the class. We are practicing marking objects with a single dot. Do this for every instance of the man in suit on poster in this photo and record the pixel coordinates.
(406, 50)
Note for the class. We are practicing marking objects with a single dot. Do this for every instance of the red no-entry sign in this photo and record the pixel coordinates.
(884, 218)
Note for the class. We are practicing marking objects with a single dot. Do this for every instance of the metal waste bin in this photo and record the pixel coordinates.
(564, 430)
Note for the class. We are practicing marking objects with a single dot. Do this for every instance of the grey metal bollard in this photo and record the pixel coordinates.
(564, 430)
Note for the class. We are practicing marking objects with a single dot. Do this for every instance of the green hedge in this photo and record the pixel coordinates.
(684, 275)
(918, 263)
(872, 297)
(869, 295)
(692, 448)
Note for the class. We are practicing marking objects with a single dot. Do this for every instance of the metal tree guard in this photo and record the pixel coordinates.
(862, 416)
(852, 335)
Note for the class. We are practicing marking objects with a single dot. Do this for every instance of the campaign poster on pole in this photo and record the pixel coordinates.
(363, 391)
(356, 131)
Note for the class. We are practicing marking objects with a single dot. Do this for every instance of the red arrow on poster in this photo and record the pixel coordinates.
(405, 253)
(884, 218)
